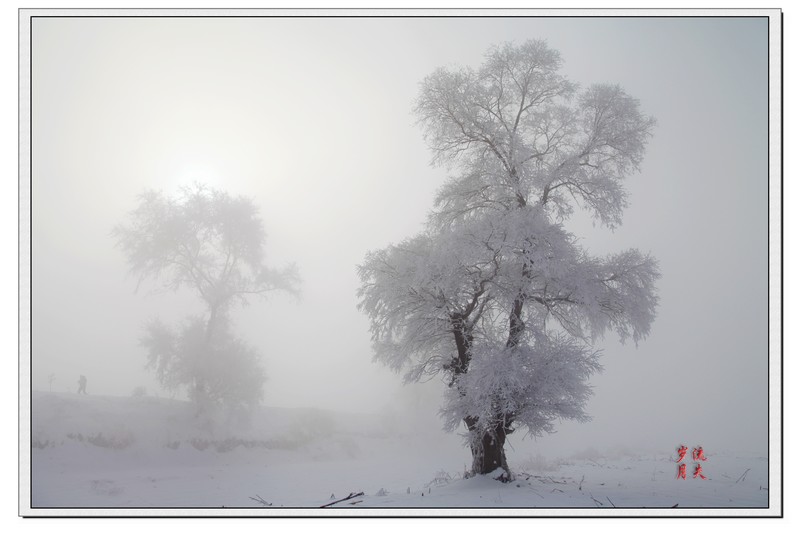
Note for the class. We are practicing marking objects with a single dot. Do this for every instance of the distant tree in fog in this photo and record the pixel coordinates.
(495, 294)
(211, 243)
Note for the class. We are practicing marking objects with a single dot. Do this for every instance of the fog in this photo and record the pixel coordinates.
(311, 119)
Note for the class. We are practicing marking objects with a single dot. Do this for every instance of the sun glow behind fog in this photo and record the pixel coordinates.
(193, 171)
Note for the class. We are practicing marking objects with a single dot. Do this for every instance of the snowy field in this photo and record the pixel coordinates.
(116, 452)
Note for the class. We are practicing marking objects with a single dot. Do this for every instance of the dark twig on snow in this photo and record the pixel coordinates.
(609, 501)
(741, 478)
(598, 502)
(674, 506)
(262, 501)
(349, 497)
(581, 483)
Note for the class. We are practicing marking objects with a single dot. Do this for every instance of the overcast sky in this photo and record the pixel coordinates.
(311, 118)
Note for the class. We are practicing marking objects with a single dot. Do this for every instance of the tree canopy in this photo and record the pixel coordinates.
(203, 239)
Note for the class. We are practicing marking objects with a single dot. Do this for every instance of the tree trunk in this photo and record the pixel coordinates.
(488, 453)
(201, 400)
(211, 323)
(488, 450)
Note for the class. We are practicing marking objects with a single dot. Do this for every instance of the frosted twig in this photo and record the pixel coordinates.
(741, 478)
(262, 501)
(536, 492)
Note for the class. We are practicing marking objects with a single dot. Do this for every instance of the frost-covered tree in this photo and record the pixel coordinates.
(213, 244)
(495, 294)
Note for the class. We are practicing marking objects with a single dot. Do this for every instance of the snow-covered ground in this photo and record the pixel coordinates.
(115, 452)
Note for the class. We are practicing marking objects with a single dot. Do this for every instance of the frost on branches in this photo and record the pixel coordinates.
(495, 294)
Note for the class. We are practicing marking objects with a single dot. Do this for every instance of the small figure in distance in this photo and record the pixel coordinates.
(82, 384)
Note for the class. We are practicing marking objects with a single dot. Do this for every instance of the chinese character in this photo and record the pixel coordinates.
(698, 455)
(698, 471)
(681, 453)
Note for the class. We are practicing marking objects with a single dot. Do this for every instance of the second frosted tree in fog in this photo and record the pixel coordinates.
(213, 244)
(495, 294)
